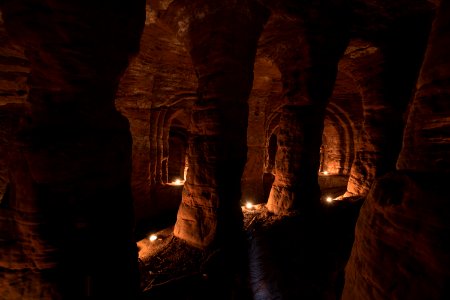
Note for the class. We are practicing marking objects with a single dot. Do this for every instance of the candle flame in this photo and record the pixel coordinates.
(177, 181)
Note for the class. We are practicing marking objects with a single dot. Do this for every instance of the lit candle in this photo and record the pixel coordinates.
(153, 238)
(329, 199)
(249, 205)
(325, 173)
(177, 181)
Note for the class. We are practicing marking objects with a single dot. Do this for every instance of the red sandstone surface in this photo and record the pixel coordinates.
(103, 105)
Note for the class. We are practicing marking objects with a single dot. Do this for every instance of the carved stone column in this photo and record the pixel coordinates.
(223, 40)
(71, 160)
(402, 234)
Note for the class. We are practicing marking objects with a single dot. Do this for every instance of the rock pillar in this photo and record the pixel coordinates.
(400, 249)
(71, 161)
(308, 69)
(223, 42)
(297, 160)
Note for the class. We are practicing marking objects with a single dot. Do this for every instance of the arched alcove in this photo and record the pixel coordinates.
(271, 153)
(342, 124)
(159, 83)
(266, 92)
(178, 143)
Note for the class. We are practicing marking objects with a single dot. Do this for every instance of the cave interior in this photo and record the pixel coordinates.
(252, 149)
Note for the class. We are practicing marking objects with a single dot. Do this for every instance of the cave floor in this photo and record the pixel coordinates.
(288, 257)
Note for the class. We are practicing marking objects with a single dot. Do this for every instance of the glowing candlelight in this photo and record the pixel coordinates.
(153, 238)
(249, 205)
(329, 199)
(177, 181)
(325, 173)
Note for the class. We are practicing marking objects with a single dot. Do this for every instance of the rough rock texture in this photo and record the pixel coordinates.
(70, 174)
(9, 121)
(343, 118)
(160, 78)
(307, 85)
(223, 55)
(266, 90)
(289, 42)
(177, 166)
(402, 235)
(426, 145)
(385, 76)
(295, 186)
(401, 243)
(232, 83)
(376, 135)
(14, 69)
